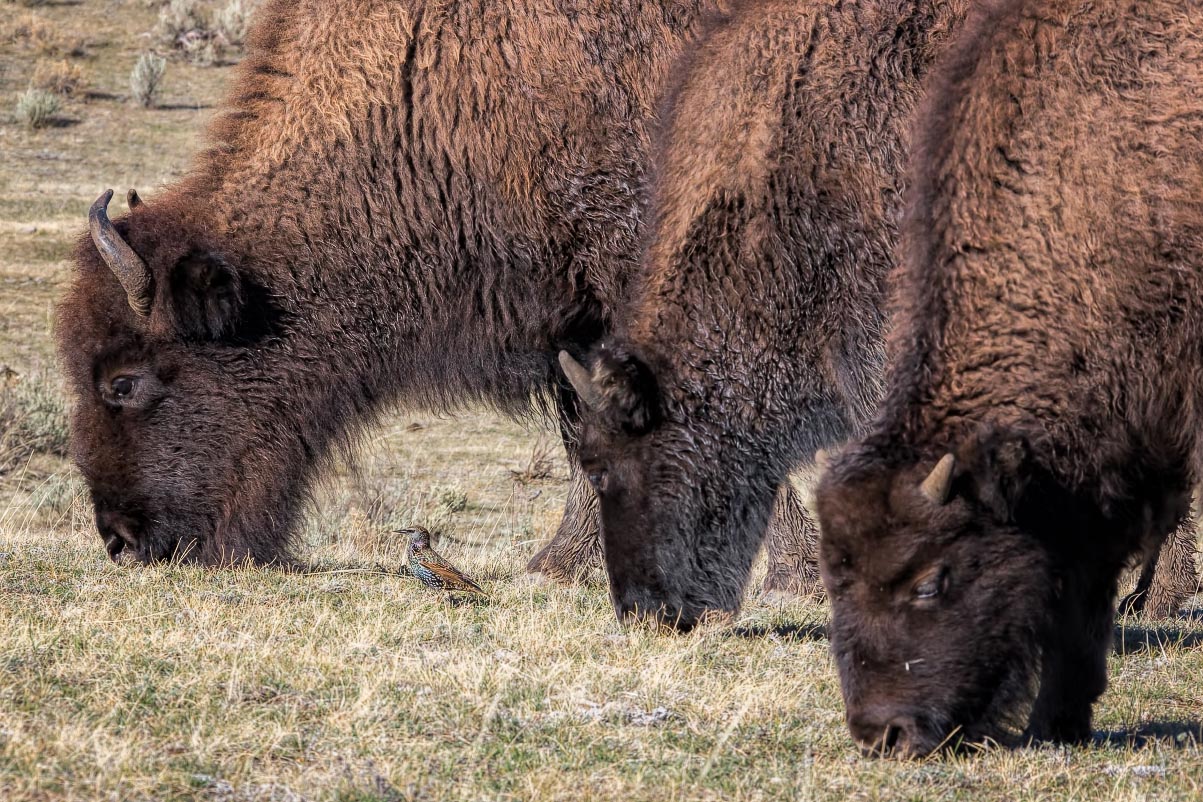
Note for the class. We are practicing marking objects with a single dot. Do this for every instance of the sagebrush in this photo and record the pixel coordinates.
(146, 78)
(36, 108)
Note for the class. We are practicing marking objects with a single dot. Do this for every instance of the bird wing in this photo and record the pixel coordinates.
(452, 578)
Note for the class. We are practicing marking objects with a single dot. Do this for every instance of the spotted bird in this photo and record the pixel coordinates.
(434, 571)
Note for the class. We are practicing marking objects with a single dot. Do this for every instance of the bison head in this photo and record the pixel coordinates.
(941, 593)
(683, 507)
(179, 422)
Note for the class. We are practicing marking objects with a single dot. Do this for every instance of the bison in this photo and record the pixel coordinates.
(1041, 421)
(755, 332)
(401, 203)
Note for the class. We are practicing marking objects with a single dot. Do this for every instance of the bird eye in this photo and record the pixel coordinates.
(932, 586)
(123, 386)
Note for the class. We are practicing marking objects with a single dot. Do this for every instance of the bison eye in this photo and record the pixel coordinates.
(123, 386)
(597, 479)
(932, 586)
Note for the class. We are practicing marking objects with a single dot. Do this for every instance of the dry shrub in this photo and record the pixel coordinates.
(146, 78)
(200, 50)
(36, 34)
(179, 20)
(202, 36)
(232, 22)
(58, 77)
(36, 108)
(541, 464)
(451, 499)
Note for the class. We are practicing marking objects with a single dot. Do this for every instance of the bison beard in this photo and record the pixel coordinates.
(1039, 429)
(428, 223)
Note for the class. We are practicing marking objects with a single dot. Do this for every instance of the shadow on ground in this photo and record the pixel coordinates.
(798, 632)
(1174, 734)
(1137, 639)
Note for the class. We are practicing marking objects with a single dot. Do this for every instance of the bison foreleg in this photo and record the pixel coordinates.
(575, 551)
(1073, 669)
(791, 543)
(1168, 577)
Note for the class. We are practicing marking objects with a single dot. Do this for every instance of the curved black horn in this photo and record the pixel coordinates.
(132, 199)
(126, 265)
(581, 381)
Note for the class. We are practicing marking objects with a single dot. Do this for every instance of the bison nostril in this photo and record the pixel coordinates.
(113, 544)
(118, 532)
(878, 738)
(890, 738)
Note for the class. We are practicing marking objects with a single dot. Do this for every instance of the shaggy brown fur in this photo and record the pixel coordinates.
(755, 334)
(1048, 339)
(403, 202)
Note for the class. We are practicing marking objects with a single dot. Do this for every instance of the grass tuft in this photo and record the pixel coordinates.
(451, 499)
(33, 419)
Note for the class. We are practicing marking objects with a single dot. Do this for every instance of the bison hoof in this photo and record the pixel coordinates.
(1153, 606)
(785, 589)
(545, 575)
(534, 579)
(1133, 603)
(544, 570)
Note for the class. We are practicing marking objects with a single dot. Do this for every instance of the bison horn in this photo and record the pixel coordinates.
(132, 199)
(939, 481)
(126, 265)
(581, 381)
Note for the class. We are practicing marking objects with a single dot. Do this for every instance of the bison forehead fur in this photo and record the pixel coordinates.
(1047, 342)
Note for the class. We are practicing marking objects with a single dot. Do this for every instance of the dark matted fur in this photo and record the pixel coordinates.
(1048, 336)
(403, 202)
(755, 332)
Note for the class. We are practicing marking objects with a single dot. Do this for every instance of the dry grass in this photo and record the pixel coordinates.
(169, 683)
(35, 33)
(61, 77)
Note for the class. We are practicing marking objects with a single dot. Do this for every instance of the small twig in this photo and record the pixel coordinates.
(372, 571)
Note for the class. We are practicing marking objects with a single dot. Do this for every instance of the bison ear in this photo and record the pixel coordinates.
(619, 391)
(997, 465)
(207, 294)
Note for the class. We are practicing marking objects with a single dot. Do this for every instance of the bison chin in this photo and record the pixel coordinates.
(972, 701)
(679, 536)
(683, 508)
(948, 612)
(131, 535)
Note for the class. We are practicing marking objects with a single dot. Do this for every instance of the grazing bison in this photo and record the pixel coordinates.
(402, 202)
(1041, 422)
(755, 333)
